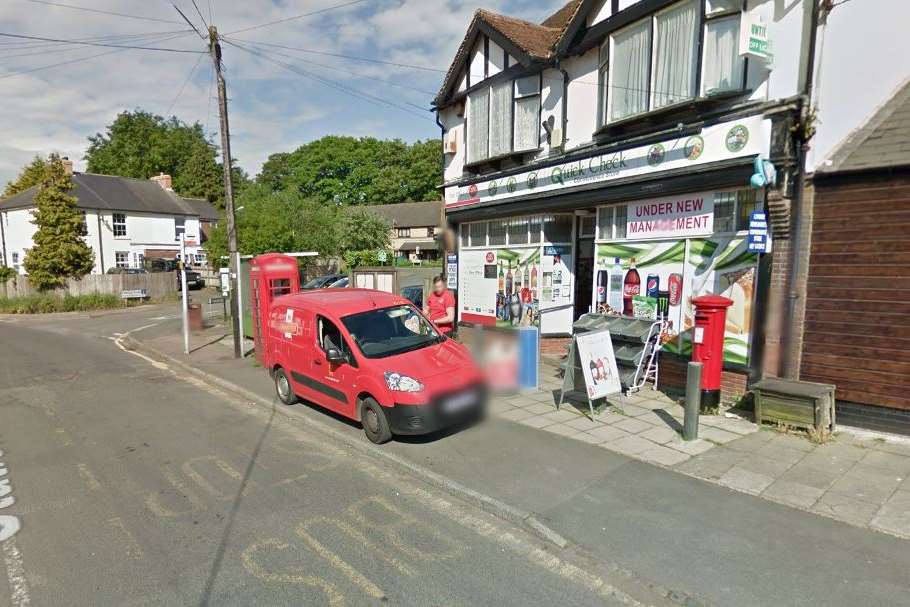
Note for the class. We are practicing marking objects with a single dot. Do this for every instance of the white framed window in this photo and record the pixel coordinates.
(500, 118)
(496, 231)
(122, 259)
(478, 232)
(723, 67)
(675, 54)
(586, 226)
(179, 228)
(603, 78)
(518, 230)
(611, 222)
(527, 113)
(15, 257)
(138, 260)
(404, 232)
(118, 225)
(630, 49)
(478, 130)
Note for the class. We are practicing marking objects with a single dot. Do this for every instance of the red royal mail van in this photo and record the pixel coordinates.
(372, 357)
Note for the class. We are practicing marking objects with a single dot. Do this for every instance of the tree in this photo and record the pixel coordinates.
(362, 235)
(32, 174)
(59, 251)
(348, 171)
(140, 144)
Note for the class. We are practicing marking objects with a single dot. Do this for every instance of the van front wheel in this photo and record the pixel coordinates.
(283, 387)
(374, 420)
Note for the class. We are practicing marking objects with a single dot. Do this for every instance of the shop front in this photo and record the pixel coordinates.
(636, 231)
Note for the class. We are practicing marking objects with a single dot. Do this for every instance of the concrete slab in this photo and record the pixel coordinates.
(845, 508)
(630, 445)
(515, 414)
(562, 429)
(745, 480)
(798, 441)
(585, 424)
(633, 425)
(536, 421)
(539, 408)
(889, 462)
(563, 415)
(717, 435)
(692, 447)
(664, 456)
(608, 433)
(661, 436)
(870, 485)
(712, 464)
(894, 516)
(793, 494)
(750, 443)
(634, 410)
(803, 473)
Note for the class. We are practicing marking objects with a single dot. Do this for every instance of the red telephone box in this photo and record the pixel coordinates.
(708, 344)
(271, 275)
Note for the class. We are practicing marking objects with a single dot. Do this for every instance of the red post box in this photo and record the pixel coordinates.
(708, 344)
(271, 275)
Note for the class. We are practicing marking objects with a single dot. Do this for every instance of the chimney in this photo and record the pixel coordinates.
(67, 165)
(164, 181)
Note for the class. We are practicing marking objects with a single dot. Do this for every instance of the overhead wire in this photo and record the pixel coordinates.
(183, 86)
(102, 12)
(78, 59)
(353, 73)
(142, 48)
(295, 17)
(331, 83)
(47, 48)
(199, 12)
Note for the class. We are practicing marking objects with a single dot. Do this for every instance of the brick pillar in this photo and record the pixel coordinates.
(779, 216)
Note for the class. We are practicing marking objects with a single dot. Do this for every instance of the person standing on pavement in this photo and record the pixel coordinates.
(440, 306)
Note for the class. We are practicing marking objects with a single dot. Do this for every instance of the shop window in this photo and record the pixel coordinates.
(586, 226)
(557, 228)
(119, 225)
(534, 228)
(746, 202)
(619, 221)
(497, 231)
(465, 236)
(518, 231)
(605, 223)
(725, 212)
(478, 234)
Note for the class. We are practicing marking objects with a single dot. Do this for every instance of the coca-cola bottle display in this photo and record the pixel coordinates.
(631, 287)
(674, 285)
(509, 279)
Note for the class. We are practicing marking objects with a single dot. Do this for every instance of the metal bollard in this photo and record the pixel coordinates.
(693, 401)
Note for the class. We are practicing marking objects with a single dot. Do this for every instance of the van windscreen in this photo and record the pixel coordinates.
(389, 331)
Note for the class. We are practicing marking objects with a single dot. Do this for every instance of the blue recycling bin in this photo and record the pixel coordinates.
(528, 357)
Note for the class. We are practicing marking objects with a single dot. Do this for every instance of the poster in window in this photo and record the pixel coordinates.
(501, 287)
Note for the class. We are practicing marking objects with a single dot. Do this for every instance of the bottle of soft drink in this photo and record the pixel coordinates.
(534, 276)
(502, 284)
(615, 297)
(674, 285)
(602, 280)
(509, 281)
(631, 287)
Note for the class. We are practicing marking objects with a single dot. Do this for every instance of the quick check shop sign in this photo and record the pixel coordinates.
(735, 139)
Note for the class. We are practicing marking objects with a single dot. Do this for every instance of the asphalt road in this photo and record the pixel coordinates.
(133, 485)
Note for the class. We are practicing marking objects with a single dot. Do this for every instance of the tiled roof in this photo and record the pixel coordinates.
(882, 142)
(561, 18)
(112, 193)
(410, 214)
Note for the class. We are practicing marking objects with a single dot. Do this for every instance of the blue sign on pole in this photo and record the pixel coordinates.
(759, 240)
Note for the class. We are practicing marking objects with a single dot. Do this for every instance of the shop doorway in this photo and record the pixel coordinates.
(584, 264)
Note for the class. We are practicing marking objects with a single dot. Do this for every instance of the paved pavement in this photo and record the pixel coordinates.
(729, 547)
(124, 482)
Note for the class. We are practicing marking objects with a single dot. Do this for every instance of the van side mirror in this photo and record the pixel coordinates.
(335, 356)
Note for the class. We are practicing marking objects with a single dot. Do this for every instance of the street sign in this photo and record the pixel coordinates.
(381, 256)
(134, 294)
(759, 239)
(452, 272)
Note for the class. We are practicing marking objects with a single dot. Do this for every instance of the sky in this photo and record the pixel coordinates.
(273, 109)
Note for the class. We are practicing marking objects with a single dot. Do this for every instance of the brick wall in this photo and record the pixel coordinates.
(673, 377)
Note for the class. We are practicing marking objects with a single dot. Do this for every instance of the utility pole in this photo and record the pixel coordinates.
(233, 257)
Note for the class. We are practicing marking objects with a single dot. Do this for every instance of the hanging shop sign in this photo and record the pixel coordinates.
(671, 217)
(753, 37)
(724, 141)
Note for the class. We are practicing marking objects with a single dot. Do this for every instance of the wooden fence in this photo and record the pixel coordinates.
(156, 284)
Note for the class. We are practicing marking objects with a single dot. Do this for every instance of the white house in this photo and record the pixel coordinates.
(609, 158)
(126, 221)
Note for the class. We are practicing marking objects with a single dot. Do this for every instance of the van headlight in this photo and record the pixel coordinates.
(402, 383)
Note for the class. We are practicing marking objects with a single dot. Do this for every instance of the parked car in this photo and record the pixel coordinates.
(373, 357)
(194, 279)
(341, 283)
(322, 282)
(414, 294)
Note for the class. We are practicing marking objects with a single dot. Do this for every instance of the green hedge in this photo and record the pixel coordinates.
(47, 302)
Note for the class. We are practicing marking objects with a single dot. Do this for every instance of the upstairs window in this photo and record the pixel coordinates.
(179, 227)
(404, 232)
(119, 225)
(653, 63)
(504, 118)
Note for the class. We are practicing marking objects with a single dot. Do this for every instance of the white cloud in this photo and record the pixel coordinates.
(272, 109)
